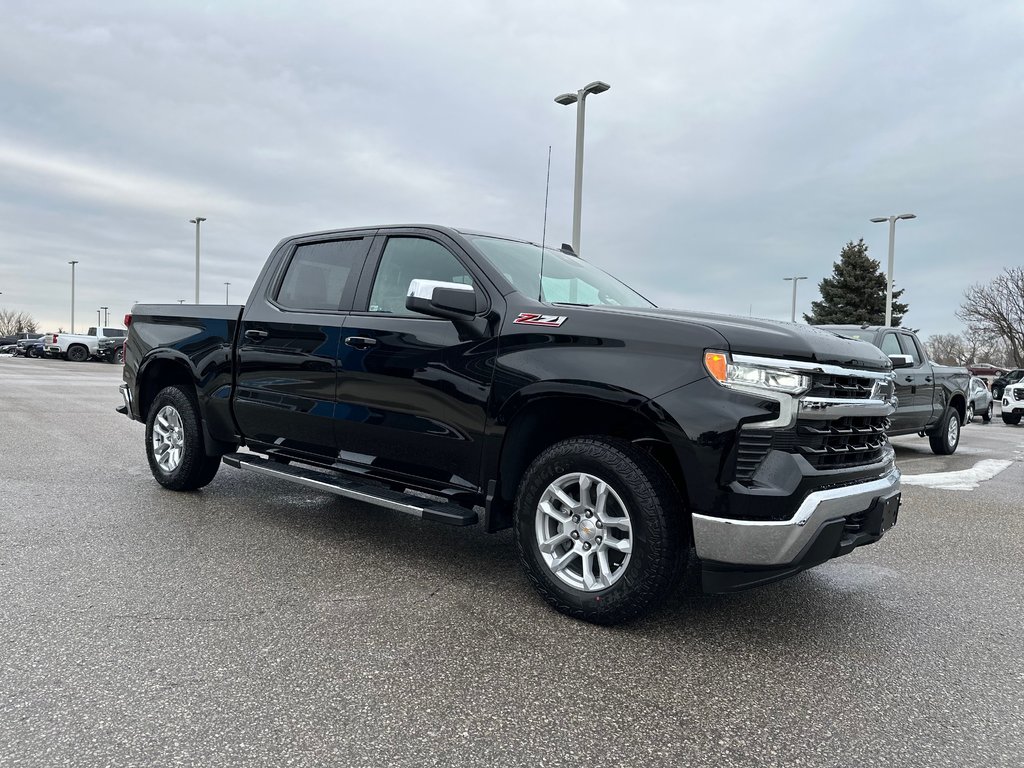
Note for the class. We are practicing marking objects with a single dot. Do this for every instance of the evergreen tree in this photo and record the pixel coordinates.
(855, 294)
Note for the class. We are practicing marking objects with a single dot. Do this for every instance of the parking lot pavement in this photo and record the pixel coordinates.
(255, 623)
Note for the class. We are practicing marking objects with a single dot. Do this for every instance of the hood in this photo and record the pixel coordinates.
(772, 338)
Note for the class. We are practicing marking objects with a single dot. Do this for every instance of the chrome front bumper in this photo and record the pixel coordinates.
(773, 543)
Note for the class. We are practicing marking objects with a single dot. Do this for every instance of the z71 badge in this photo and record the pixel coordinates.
(530, 318)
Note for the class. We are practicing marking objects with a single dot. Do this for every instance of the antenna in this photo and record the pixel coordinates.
(544, 232)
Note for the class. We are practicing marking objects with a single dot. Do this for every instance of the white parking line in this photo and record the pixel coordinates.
(963, 480)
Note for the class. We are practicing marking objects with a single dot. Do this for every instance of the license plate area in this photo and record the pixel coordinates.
(884, 515)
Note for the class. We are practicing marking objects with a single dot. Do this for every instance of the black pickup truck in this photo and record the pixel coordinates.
(931, 399)
(465, 378)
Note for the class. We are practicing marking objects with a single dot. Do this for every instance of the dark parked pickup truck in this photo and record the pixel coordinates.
(932, 399)
(467, 378)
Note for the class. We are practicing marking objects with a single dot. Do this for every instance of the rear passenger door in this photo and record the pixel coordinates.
(413, 391)
(287, 358)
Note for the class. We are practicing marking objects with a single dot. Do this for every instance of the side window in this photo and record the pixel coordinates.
(891, 345)
(318, 274)
(411, 258)
(910, 348)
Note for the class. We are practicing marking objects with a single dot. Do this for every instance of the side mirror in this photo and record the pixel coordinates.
(451, 301)
(902, 361)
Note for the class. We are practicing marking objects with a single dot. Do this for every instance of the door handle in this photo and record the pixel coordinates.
(909, 378)
(928, 379)
(254, 334)
(360, 342)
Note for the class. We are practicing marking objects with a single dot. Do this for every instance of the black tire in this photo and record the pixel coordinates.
(652, 506)
(969, 416)
(77, 353)
(997, 392)
(986, 417)
(32, 352)
(194, 469)
(117, 356)
(1011, 418)
(941, 440)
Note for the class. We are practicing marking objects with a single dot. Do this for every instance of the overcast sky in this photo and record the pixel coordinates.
(740, 142)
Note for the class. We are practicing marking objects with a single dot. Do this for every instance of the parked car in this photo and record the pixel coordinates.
(17, 337)
(386, 363)
(80, 347)
(35, 347)
(979, 400)
(1000, 383)
(111, 349)
(1013, 403)
(932, 399)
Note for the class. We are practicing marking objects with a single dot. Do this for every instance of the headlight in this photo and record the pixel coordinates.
(745, 376)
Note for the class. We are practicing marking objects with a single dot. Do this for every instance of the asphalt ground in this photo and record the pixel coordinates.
(258, 623)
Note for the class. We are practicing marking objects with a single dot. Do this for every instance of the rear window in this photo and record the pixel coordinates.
(318, 273)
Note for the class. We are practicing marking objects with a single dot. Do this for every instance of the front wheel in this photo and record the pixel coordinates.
(1011, 418)
(969, 418)
(174, 442)
(946, 437)
(598, 529)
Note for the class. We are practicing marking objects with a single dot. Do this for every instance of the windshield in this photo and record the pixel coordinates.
(567, 279)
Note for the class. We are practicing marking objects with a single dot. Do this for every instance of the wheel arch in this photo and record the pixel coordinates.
(542, 419)
(958, 403)
(162, 371)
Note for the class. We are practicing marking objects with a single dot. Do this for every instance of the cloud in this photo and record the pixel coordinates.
(739, 143)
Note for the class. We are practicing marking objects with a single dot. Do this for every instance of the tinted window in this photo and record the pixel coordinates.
(411, 258)
(890, 345)
(115, 332)
(318, 274)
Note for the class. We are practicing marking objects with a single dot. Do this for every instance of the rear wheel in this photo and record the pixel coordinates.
(174, 442)
(1011, 418)
(78, 353)
(986, 417)
(599, 531)
(946, 437)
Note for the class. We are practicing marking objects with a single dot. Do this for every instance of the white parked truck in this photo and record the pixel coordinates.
(78, 347)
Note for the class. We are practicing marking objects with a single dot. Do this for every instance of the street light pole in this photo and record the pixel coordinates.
(226, 287)
(72, 263)
(892, 248)
(197, 221)
(792, 314)
(106, 316)
(579, 99)
(99, 318)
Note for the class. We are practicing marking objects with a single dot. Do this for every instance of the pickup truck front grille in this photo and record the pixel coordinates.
(852, 441)
(845, 387)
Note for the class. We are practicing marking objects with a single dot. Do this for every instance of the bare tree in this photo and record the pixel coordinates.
(12, 322)
(946, 349)
(969, 348)
(996, 310)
